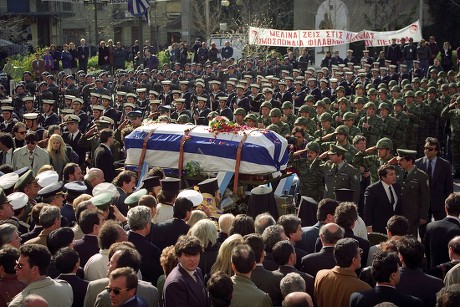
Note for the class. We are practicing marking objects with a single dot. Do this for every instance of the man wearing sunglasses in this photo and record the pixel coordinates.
(123, 287)
(31, 269)
(30, 155)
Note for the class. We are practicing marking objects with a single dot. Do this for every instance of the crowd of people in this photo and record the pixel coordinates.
(374, 143)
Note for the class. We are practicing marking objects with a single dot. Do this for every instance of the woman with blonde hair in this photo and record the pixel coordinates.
(57, 151)
(196, 216)
(223, 261)
(206, 231)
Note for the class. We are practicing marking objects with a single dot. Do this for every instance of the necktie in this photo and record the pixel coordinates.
(405, 175)
(430, 170)
(392, 196)
(336, 169)
(31, 158)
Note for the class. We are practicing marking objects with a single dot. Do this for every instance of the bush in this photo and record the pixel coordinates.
(23, 63)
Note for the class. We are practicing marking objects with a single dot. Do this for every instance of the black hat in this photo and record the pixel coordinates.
(209, 186)
(151, 182)
(170, 184)
(344, 194)
(52, 189)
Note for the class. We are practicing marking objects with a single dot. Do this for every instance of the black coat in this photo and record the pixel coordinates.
(324, 259)
(150, 266)
(419, 284)
(381, 294)
(377, 207)
(166, 233)
(81, 152)
(309, 280)
(269, 282)
(309, 236)
(103, 159)
(86, 247)
(438, 234)
(79, 287)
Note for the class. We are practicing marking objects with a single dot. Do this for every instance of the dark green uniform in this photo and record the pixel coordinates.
(311, 177)
(453, 115)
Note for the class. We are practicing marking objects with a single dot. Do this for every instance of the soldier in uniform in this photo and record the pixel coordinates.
(390, 124)
(337, 117)
(371, 125)
(108, 110)
(264, 119)
(371, 162)
(275, 117)
(84, 118)
(8, 120)
(338, 174)
(414, 114)
(180, 109)
(325, 128)
(49, 117)
(309, 171)
(348, 120)
(452, 113)
(400, 136)
(415, 191)
(310, 124)
(201, 112)
(288, 116)
(224, 110)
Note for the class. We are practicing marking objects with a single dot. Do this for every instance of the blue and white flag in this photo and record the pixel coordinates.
(138, 7)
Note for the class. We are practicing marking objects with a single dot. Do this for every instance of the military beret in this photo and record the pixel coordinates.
(105, 187)
(31, 116)
(385, 143)
(336, 149)
(8, 181)
(102, 201)
(18, 200)
(46, 178)
(194, 196)
(287, 105)
(133, 199)
(170, 184)
(275, 112)
(24, 180)
(406, 153)
(342, 129)
(51, 190)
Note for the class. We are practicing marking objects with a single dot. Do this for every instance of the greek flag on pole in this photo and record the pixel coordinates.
(138, 7)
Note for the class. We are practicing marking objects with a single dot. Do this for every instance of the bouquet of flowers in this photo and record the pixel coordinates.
(223, 124)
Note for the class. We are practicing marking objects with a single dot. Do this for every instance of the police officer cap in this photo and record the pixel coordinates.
(46, 178)
(183, 119)
(18, 200)
(75, 188)
(105, 187)
(301, 121)
(151, 182)
(398, 102)
(102, 201)
(209, 186)
(325, 117)
(170, 184)
(266, 104)
(384, 105)
(24, 180)
(309, 98)
(336, 149)
(385, 143)
(432, 90)
(273, 128)
(406, 153)
(275, 112)
(52, 189)
(8, 181)
(251, 117)
(370, 105)
(240, 111)
(194, 196)
(133, 199)
(348, 116)
(134, 114)
(287, 105)
(342, 129)
(313, 146)
(71, 118)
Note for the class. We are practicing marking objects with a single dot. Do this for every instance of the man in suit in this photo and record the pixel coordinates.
(30, 155)
(439, 233)
(50, 219)
(382, 199)
(139, 225)
(385, 270)
(90, 223)
(72, 136)
(38, 66)
(166, 233)
(83, 55)
(293, 230)
(185, 286)
(121, 254)
(67, 263)
(284, 255)
(413, 280)
(439, 173)
(122, 288)
(103, 157)
(329, 234)
(324, 214)
(415, 191)
(265, 280)
(245, 291)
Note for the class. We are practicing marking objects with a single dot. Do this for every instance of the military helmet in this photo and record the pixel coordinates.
(432, 90)
(384, 105)
(419, 94)
(301, 121)
(287, 105)
(304, 108)
(312, 146)
(320, 103)
(349, 116)
(409, 94)
(309, 98)
(372, 91)
(266, 104)
(183, 119)
(251, 116)
(398, 102)
(395, 89)
(384, 143)
(325, 117)
(392, 83)
(275, 112)
(340, 88)
(370, 105)
(274, 128)
(342, 129)
(239, 111)
(359, 100)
